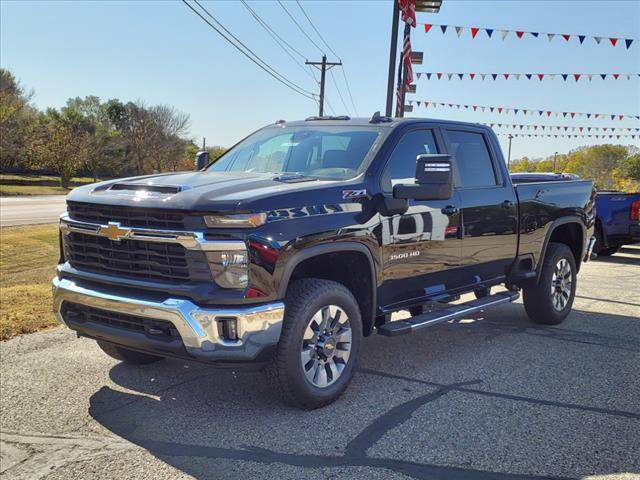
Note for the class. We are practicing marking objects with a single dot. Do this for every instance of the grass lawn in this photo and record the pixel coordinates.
(34, 178)
(13, 190)
(28, 256)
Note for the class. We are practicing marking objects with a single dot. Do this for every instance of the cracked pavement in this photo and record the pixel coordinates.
(489, 397)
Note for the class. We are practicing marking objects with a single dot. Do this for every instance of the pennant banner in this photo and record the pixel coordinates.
(529, 76)
(524, 111)
(563, 128)
(562, 135)
(520, 34)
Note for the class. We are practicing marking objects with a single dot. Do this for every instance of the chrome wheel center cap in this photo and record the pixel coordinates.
(327, 346)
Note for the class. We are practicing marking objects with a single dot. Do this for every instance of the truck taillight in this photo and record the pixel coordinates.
(635, 210)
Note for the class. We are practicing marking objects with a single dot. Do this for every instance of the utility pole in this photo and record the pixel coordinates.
(204, 143)
(555, 155)
(510, 137)
(323, 67)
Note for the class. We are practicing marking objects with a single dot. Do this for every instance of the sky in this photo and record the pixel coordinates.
(160, 52)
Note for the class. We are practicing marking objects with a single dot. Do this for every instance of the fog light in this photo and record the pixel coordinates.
(228, 328)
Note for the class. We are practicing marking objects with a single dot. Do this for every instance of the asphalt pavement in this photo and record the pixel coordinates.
(31, 210)
(489, 397)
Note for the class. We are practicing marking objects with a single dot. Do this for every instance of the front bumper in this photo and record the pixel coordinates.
(258, 326)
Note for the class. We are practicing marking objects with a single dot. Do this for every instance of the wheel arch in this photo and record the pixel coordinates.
(569, 230)
(311, 262)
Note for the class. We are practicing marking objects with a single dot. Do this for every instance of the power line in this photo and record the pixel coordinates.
(344, 74)
(299, 27)
(279, 40)
(316, 30)
(257, 60)
(333, 77)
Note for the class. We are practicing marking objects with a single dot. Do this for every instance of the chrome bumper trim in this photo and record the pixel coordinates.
(258, 326)
(189, 240)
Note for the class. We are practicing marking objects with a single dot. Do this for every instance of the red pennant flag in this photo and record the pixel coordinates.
(499, 109)
(506, 76)
(525, 111)
(519, 34)
(475, 107)
(548, 114)
(439, 75)
(566, 36)
(620, 117)
(535, 127)
(613, 41)
(472, 75)
(427, 27)
(426, 104)
(474, 31)
(573, 114)
(581, 129)
(616, 75)
(541, 76)
(576, 76)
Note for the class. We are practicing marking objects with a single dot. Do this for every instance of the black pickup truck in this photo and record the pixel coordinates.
(305, 237)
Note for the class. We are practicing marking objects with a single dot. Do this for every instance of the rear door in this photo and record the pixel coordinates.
(421, 246)
(489, 206)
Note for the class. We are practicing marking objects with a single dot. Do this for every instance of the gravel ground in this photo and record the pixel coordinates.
(490, 397)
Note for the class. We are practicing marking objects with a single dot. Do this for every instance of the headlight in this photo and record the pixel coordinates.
(243, 220)
(229, 268)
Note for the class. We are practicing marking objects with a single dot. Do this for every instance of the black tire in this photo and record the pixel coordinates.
(539, 300)
(304, 299)
(128, 356)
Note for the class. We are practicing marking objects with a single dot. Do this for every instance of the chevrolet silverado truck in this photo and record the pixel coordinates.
(307, 236)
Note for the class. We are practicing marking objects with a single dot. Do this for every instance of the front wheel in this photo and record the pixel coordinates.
(316, 356)
(550, 300)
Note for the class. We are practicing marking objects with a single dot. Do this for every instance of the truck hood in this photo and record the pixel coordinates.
(214, 191)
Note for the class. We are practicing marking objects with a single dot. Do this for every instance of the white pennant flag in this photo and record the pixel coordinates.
(517, 75)
(419, 75)
(550, 36)
(552, 76)
(597, 39)
(482, 108)
(506, 110)
(449, 75)
(459, 31)
(589, 76)
(482, 75)
(504, 33)
(628, 76)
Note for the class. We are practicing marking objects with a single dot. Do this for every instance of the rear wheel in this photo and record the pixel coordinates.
(128, 356)
(321, 333)
(550, 300)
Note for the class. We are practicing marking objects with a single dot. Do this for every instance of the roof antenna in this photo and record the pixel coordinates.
(375, 118)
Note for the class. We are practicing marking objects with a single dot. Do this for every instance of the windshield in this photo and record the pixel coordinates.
(326, 152)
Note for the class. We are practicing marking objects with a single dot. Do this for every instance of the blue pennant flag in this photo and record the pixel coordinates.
(461, 76)
(564, 76)
(428, 76)
(515, 111)
(540, 112)
(494, 75)
(613, 117)
(444, 28)
(564, 114)
(528, 75)
(490, 32)
(588, 115)
(603, 75)
(628, 42)
(491, 108)
(535, 34)
(581, 38)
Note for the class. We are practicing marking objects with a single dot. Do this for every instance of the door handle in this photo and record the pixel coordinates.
(450, 210)
(507, 204)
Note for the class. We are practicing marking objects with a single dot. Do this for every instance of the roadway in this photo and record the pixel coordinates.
(493, 396)
(30, 210)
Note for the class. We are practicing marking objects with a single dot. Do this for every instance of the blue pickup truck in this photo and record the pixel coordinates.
(618, 221)
(617, 213)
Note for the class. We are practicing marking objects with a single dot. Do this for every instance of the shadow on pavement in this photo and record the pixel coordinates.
(211, 415)
(628, 256)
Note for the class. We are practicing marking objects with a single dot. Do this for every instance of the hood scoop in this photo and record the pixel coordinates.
(141, 187)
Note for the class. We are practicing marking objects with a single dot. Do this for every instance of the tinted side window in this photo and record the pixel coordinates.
(472, 159)
(401, 166)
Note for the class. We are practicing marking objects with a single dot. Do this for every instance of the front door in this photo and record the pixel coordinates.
(489, 208)
(420, 247)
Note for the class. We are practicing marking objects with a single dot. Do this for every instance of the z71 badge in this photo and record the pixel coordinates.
(346, 194)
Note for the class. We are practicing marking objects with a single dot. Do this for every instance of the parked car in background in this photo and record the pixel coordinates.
(617, 221)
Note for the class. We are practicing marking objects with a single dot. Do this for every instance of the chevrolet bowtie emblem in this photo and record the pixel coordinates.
(114, 232)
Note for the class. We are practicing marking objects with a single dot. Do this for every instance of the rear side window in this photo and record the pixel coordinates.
(472, 158)
(401, 167)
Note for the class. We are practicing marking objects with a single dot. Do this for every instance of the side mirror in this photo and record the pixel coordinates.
(202, 160)
(434, 179)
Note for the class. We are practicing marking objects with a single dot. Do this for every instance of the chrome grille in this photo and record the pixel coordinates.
(137, 259)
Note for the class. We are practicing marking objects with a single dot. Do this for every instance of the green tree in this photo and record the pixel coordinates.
(16, 117)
